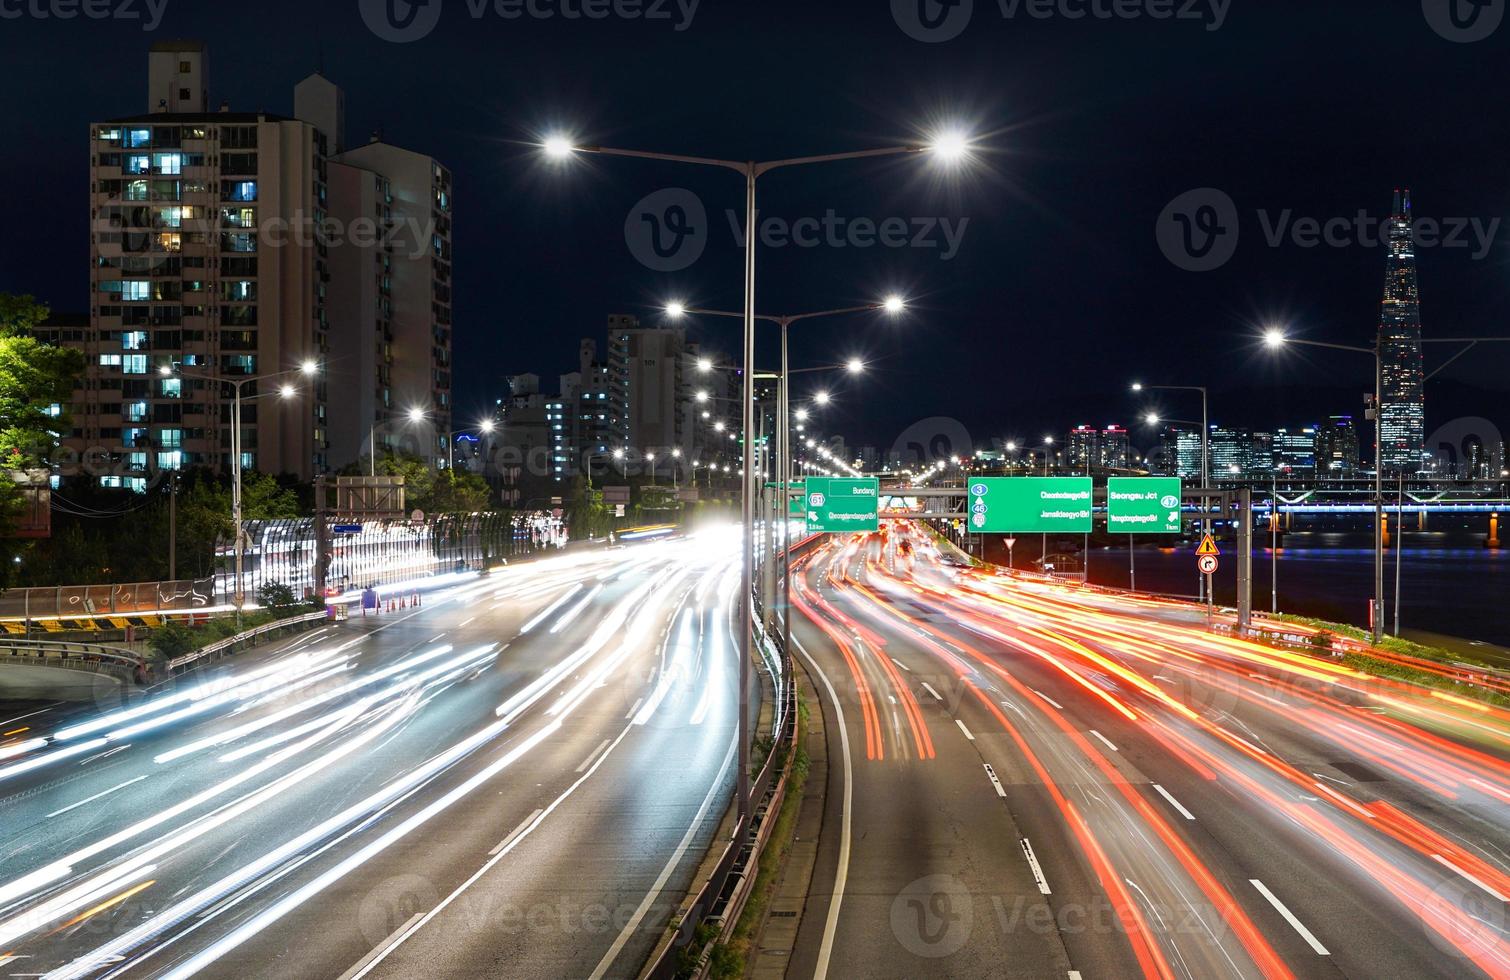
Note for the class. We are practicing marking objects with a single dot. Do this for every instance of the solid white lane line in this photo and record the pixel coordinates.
(381, 947)
(929, 688)
(593, 755)
(91, 799)
(1443, 861)
(841, 876)
(676, 857)
(1290, 917)
(1104, 740)
(964, 729)
(523, 826)
(1174, 802)
(1049, 700)
(1043, 883)
(991, 775)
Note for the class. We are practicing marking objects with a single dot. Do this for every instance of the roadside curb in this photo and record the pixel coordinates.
(775, 937)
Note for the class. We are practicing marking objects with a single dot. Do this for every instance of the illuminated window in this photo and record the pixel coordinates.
(137, 190)
(134, 340)
(134, 364)
(138, 137)
(168, 163)
(170, 241)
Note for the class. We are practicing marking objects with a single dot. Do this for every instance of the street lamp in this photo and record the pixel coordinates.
(1205, 468)
(950, 147)
(485, 427)
(410, 417)
(1276, 339)
(308, 368)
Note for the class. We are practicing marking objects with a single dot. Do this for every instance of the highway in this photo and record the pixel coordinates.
(1038, 780)
(516, 779)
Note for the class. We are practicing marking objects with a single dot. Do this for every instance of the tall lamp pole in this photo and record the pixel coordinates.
(1205, 467)
(308, 369)
(949, 147)
(893, 305)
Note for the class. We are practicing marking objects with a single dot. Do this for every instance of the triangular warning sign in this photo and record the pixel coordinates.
(1208, 546)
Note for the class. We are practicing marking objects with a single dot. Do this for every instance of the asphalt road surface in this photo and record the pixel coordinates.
(515, 780)
(1037, 780)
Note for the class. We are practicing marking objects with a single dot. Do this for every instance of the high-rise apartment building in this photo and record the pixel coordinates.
(183, 286)
(1402, 420)
(218, 251)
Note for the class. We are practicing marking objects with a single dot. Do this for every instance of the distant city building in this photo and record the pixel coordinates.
(1188, 453)
(1295, 451)
(1337, 447)
(1402, 423)
(1116, 448)
(1231, 452)
(1083, 451)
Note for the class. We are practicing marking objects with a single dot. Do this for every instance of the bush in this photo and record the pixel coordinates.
(174, 640)
(276, 595)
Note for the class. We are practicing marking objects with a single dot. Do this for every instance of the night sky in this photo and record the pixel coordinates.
(1059, 293)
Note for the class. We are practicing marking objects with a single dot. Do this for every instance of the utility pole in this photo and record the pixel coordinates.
(173, 527)
(1245, 561)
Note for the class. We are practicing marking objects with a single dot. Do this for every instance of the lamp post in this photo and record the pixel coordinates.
(410, 417)
(1275, 339)
(893, 305)
(1205, 466)
(482, 428)
(948, 147)
(308, 369)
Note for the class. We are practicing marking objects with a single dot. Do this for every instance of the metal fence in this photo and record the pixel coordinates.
(373, 553)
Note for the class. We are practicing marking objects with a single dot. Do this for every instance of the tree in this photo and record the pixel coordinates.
(36, 385)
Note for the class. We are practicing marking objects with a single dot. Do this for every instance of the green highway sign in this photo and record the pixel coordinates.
(1143, 505)
(1030, 504)
(838, 506)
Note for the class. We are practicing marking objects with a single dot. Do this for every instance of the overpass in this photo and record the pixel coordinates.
(32, 669)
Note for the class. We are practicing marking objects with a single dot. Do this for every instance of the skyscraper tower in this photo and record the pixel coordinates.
(1402, 421)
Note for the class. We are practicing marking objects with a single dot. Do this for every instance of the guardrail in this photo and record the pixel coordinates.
(723, 896)
(231, 644)
(92, 657)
